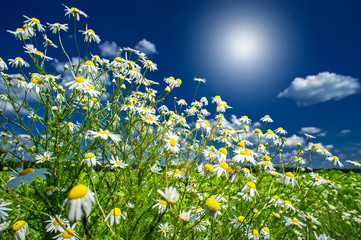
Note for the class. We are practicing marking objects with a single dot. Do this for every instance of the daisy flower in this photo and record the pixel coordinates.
(79, 83)
(90, 35)
(68, 233)
(203, 80)
(116, 163)
(48, 42)
(165, 229)
(45, 157)
(276, 200)
(221, 168)
(270, 135)
(56, 27)
(89, 67)
(288, 178)
(265, 232)
(155, 169)
(161, 205)
(211, 207)
(150, 119)
(104, 135)
(115, 215)
(54, 224)
(25, 176)
(18, 61)
(208, 169)
(80, 201)
(3, 214)
(185, 216)
(19, 34)
(280, 131)
(357, 164)
(172, 144)
(3, 65)
(90, 159)
(294, 221)
(335, 160)
(20, 229)
(170, 194)
(288, 205)
(34, 22)
(217, 99)
(250, 188)
(266, 119)
(75, 12)
(254, 234)
(244, 156)
(4, 226)
(238, 221)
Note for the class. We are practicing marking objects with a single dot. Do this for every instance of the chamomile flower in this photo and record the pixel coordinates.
(280, 131)
(25, 176)
(289, 221)
(79, 83)
(18, 61)
(266, 119)
(115, 215)
(103, 135)
(19, 34)
(4, 226)
(68, 233)
(208, 169)
(54, 224)
(250, 188)
(56, 27)
(217, 99)
(203, 80)
(80, 202)
(89, 67)
(171, 142)
(116, 163)
(185, 216)
(90, 35)
(45, 157)
(48, 42)
(165, 228)
(244, 156)
(34, 22)
(238, 221)
(3, 214)
(265, 232)
(155, 169)
(20, 229)
(288, 178)
(221, 168)
(335, 160)
(245, 120)
(170, 194)
(75, 12)
(254, 234)
(90, 159)
(270, 135)
(211, 207)
(161, 205)
(3, 65)
(357, 164)
(288, 205)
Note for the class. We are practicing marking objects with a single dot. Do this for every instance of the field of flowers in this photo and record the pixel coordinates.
(102, 156)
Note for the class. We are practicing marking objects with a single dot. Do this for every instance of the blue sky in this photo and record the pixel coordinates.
(297, 61)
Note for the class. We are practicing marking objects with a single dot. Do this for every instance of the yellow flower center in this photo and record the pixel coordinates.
(251, 185)
(207, 123)
(294, 221)
(79, 80)
(266, 229)
(162, 202)
(246, 152)
(90, 86)
(288, 202)
(210, 153)
(335, 158)
(241, 219)
(318, 177)
(212, 204)
(19, 225)
(179, 81)
(164, 229)
(172, 142)
(68, 233)
(39, 53)
(37, 21)
(269, 131)
(74, 9)
(266, 163)
(26, 171)
(266, 116)
(118, 163)
(57, 221)
(257, 130)
(223, 150)
(224, 165)
(89, 63)
(255, 232)
(103, 132)
(266, 158)
(276, 197)
(209, 167)
(45, 158)
(177, 171)
(289, 174)
(116, 212)
(89, 155)
(19, 59)
(50, 188)
(241, 144)
(78, 191)
(37, 81)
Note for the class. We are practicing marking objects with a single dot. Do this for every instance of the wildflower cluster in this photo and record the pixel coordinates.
(100, 155)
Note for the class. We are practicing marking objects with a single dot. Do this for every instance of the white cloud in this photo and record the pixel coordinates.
(320, 88)
(146, 47)
(344, 132)
(109, 49)
(312, 131)
(294, 140)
